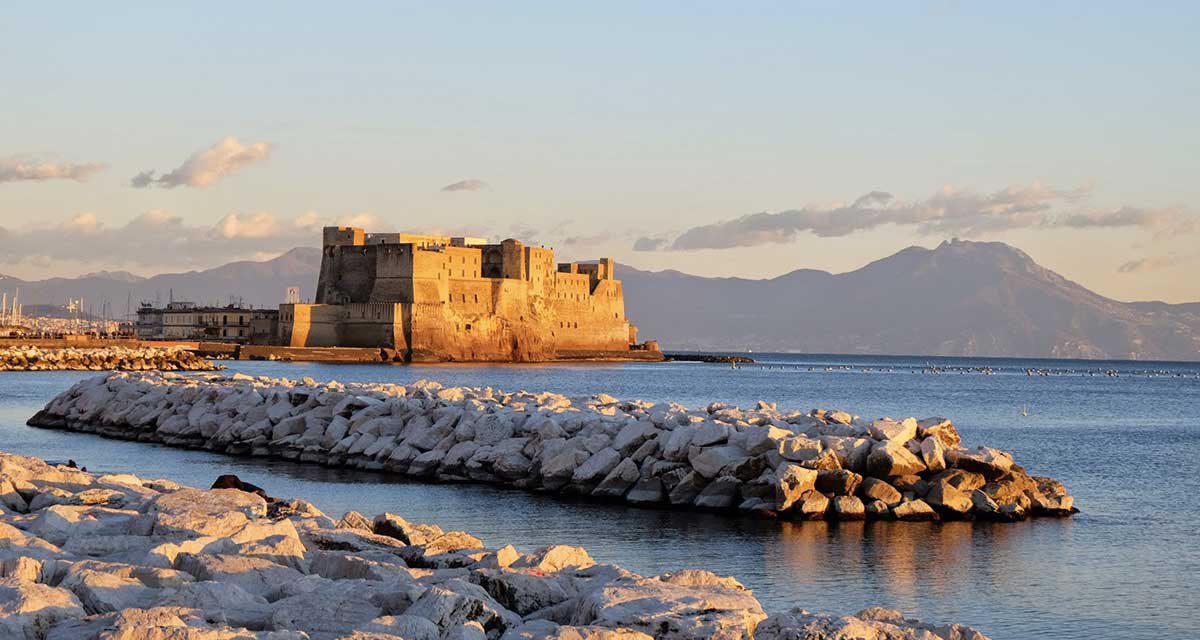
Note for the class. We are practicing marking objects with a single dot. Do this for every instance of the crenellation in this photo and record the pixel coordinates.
(457, 298)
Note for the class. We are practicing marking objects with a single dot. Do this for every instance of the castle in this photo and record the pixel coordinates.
(439, 298)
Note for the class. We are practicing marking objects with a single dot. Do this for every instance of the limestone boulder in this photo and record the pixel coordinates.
(377, 566)
(325, 608)
(28, 609)
(709, 461)
(842, 482)
(989, 462)
(914, 511)
(800, 448)
(721, 493)
(256, 575)
(949, 500)
(59, 523)
(889, 458)
(596, 467)
(520, 591)
(101, 591)
(941, 429)
(673, 608)
(220, 602)
(646, 491)
(548, 630)
(876, 489)
(792, 482)
(401, 626)
(455, 602)
(688, 487)
(195, 513)
(895, 431)
(848, 508)
(555, 558)
(933, 454)
(619, 480)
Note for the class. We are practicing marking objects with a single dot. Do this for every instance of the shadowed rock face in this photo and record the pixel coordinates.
(758, 462)
(206, 577)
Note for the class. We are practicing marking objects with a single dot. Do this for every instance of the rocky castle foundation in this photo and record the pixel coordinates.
(436, 298)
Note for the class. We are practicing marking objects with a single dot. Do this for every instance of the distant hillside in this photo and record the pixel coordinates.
(962, 298)
(261, 284)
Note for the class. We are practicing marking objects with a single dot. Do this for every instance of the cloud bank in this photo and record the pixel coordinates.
(466, 185)
(15, 169)
(160, 239)
(205, 167)
(947, 212)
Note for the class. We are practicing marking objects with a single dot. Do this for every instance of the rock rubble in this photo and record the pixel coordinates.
(761, 461)
(26, 358)
(117, 557)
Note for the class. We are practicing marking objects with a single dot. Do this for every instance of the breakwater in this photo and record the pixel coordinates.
(86, 556)
(760, 461)
(109, 358)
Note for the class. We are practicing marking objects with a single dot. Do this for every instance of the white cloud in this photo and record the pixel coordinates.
(466, 185)
(205, 167)
(18, 169)
(947, 212)
(158, 239)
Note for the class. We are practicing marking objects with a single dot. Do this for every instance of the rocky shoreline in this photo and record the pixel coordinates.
(29, 358)
(117, 557)
(761, 461)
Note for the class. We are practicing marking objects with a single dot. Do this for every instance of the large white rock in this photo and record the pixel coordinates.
(596, 467)
(256, 575)
(709, 461)
(28, 610)
(792, 482)
(694, 605)
(195, 513)
(888, 429)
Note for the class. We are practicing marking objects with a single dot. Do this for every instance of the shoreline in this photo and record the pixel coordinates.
(761, 462)
(86, 554)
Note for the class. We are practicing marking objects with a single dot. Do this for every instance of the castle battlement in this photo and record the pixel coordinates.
(458, 298)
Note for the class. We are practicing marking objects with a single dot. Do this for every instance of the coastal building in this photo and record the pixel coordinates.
(442, 298)
(186, 321)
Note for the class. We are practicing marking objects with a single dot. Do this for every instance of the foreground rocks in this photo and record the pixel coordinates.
(117, 557)
(760, 461)
(102, 359)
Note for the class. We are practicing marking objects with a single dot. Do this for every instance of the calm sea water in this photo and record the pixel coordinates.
(1126, 445)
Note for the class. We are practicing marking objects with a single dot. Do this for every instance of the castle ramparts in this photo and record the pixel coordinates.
(442, 298)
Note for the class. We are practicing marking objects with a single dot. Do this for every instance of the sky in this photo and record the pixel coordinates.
(721, 139)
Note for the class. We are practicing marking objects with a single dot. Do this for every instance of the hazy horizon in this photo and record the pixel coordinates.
(716, 140)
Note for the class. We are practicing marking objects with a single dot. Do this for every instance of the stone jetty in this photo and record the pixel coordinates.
(29, 358)
(760, 461)
(118, 557)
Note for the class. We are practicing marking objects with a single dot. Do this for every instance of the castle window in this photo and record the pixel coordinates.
(468, 327)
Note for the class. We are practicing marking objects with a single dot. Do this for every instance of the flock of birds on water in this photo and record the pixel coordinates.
(934, 370)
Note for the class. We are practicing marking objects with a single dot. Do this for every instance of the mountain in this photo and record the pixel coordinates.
(259, 284)
(962, 298)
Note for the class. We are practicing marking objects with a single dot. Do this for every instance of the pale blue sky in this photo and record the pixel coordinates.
(625, 119)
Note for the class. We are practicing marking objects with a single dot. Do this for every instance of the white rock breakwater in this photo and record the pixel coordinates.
(117, 557)
(762, 461)
(25, 358)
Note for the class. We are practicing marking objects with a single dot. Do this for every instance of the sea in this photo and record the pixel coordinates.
(1123, 436)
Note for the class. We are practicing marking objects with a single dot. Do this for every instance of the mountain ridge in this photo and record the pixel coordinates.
(959, 298)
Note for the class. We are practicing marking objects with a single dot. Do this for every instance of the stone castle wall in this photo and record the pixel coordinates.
(435, 298)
